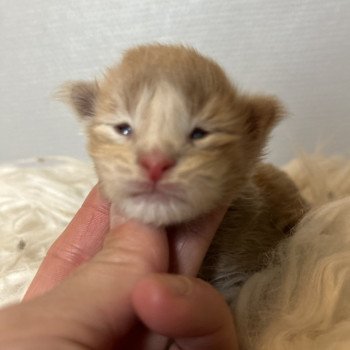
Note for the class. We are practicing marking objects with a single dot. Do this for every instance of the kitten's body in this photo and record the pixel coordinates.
(172, 139)
(265, 212)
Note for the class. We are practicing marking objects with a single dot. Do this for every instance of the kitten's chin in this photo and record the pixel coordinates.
(157, 209)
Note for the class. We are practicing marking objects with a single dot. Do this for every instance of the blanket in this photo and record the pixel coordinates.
(300, 301)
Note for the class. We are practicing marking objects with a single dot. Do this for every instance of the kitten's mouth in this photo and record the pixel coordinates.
(156, 192)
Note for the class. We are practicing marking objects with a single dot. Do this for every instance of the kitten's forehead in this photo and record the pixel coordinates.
(192, 75)
(163, 102)
(162, 117)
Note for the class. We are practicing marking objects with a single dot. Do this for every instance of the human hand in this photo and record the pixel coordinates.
(99, 304)
(84, 236)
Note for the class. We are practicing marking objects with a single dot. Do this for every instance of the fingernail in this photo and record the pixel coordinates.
(179, 285)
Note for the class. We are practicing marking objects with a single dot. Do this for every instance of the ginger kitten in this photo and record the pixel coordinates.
(172, 138)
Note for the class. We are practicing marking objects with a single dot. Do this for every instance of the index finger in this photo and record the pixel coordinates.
(81, 240)
(189, 243)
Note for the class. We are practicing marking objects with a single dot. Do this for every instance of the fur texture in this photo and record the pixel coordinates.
(330, 177)
(38, 198)
(172, 138)
(299, 302)
(164, 93)
(265, 213)
(302, 297)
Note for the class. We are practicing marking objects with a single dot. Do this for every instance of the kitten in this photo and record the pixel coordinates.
(172, 138)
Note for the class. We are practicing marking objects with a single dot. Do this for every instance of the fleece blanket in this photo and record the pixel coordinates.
(300, 301)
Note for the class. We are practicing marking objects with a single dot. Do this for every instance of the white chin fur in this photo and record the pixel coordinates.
(159, 213)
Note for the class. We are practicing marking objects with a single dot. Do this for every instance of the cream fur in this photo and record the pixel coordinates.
(37, 200)
(330, 177)
(163, 92)
(300, 302)
(166, 130)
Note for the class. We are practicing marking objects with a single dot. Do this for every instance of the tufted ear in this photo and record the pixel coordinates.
(81, 96)
(262, 113)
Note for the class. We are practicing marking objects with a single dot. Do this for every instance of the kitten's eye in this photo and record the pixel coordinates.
(198, 133)
(123, 129)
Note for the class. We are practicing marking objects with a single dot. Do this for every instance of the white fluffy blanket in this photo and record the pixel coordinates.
(300, 302)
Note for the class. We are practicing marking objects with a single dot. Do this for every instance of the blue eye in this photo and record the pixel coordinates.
(198, 133)
(123, 129)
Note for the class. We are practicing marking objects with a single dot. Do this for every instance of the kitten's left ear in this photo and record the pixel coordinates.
(81, 96)
(262, 113)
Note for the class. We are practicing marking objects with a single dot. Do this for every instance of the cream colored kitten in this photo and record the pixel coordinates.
(172, 138)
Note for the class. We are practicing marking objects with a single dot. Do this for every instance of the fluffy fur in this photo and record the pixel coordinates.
(330, 177)
(38, 198)
(301, 302)
(263, 214)
(159, 95)
(164, 93)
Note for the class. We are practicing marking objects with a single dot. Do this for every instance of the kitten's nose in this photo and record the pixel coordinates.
(156, 164)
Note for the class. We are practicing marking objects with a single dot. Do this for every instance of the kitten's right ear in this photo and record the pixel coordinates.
(81, 96)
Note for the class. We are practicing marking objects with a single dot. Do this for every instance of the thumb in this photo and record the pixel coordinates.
(129, 253)
(188, 310)
(92, 306)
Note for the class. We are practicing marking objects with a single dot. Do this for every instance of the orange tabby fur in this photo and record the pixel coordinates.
(163, 93)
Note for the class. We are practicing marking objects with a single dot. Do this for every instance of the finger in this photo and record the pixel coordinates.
(186, 309)
(80, 241)
(105, 283)
(188, 243)
(92, 307)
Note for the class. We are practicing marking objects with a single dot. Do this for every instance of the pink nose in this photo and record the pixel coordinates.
(156, 164)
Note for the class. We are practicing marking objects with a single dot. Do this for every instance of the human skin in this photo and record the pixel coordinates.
(111, 289)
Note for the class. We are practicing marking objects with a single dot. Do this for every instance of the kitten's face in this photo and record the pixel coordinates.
(203, 152)
(167, 147)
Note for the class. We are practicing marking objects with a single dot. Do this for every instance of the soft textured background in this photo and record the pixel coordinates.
(299, 50)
